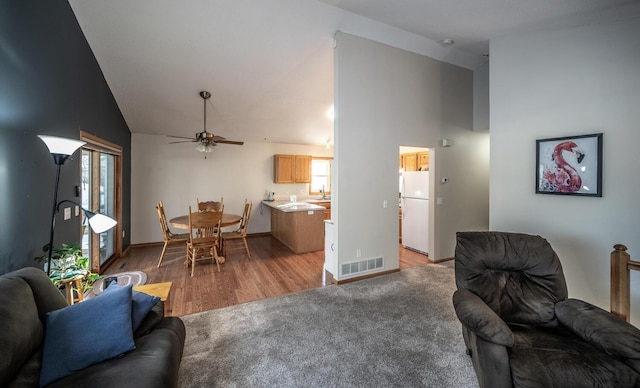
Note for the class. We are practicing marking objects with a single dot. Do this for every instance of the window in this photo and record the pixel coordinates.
(320, 176)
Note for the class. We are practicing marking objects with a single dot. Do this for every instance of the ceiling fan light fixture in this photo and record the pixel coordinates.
(204, 147)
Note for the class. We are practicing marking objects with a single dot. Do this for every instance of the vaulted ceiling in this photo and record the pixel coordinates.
(269, 63)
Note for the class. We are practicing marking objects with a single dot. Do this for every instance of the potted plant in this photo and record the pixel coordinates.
(67, 262)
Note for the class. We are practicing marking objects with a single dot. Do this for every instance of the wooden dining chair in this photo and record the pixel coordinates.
(240, 233)
(204, 238)
(210, 205)
(168, 236)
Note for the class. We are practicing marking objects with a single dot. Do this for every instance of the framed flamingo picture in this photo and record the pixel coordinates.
(569, 165)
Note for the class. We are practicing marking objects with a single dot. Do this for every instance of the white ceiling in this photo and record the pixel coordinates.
(269, 63)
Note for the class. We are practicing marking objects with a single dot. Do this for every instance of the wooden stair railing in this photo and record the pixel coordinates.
(621, 265)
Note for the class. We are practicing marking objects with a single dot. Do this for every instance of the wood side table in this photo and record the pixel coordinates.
(161, 290)
(73, 289)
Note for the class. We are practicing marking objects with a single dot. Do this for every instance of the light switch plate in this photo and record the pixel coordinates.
(67, 213)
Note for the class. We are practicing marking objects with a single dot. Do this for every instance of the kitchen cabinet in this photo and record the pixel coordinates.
(415, 161)
(299, 227)
(327, 211)
(423, 161)
(292, 168)
(410, 162)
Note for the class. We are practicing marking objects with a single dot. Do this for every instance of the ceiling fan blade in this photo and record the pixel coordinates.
(184, 141)
(230, 142)
(218, 138)
(181, 137)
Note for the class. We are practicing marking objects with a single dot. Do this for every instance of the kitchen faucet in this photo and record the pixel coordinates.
(324, 195)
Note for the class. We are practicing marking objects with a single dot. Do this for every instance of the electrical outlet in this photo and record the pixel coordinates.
(77, 210)
(385, 204)
(439, 201)
(358, 253)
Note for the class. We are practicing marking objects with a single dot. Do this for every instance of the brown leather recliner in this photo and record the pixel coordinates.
(520, 328)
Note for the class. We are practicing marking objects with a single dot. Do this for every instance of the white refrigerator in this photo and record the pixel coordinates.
(415, 210)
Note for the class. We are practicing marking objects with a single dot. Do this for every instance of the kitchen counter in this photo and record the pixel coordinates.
(298, 225)
(287, 206)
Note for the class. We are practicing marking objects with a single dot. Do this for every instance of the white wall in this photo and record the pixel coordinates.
(176, 174)
(562, 83)
(386, 97)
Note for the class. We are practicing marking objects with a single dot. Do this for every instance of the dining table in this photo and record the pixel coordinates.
(182, 222)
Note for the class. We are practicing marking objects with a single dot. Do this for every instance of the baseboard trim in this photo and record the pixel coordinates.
(368, 276)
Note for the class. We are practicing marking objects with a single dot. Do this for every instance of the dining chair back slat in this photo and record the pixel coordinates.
(210, 205)
(240, 233)
(168, 236)
(204, 237)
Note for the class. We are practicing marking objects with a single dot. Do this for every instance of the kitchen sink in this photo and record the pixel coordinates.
(328, 199)
(292, 204)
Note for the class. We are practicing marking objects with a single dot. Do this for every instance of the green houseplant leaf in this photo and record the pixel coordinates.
(67, 261)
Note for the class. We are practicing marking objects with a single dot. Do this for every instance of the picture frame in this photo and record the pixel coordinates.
(570, 165)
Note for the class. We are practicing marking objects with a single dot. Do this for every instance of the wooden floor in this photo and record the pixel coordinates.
(273, 270)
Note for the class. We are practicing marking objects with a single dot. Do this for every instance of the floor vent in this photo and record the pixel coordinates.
(361, 266)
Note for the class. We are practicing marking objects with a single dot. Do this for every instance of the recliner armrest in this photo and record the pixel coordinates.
(478, 317)
(599, 327)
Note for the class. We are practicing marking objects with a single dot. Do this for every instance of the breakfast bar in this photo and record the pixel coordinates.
(298, 225)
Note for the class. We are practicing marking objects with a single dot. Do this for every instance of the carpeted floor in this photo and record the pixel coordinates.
(397, 330)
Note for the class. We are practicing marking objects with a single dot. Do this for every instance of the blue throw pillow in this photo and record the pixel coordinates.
(141, 304)
(86, 333)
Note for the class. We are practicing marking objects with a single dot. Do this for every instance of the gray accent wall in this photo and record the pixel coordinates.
(481, 97)
(50, 83)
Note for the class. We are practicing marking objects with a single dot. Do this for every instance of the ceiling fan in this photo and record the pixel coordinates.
(206, 140)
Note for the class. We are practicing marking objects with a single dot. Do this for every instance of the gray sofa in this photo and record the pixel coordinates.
(520, 327)
(27, 295)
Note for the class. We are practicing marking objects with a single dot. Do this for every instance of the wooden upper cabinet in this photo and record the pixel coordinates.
(410, 162)
(292, 168)
(284, 168)
(423, 161)
(415, 161)
(303, 169)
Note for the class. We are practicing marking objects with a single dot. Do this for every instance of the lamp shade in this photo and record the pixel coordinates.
(61, 145)
(99, 222)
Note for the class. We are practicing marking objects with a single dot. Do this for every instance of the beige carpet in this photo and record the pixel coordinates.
(397, 330)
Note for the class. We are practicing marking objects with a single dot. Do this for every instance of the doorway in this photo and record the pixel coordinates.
(414, 216)
(101, 177)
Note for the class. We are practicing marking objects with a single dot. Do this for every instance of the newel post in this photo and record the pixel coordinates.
(620, 294)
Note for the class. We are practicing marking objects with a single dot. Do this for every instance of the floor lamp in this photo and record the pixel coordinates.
(61, 149)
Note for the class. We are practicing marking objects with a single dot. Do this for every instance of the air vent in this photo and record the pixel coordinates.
(361, 266)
